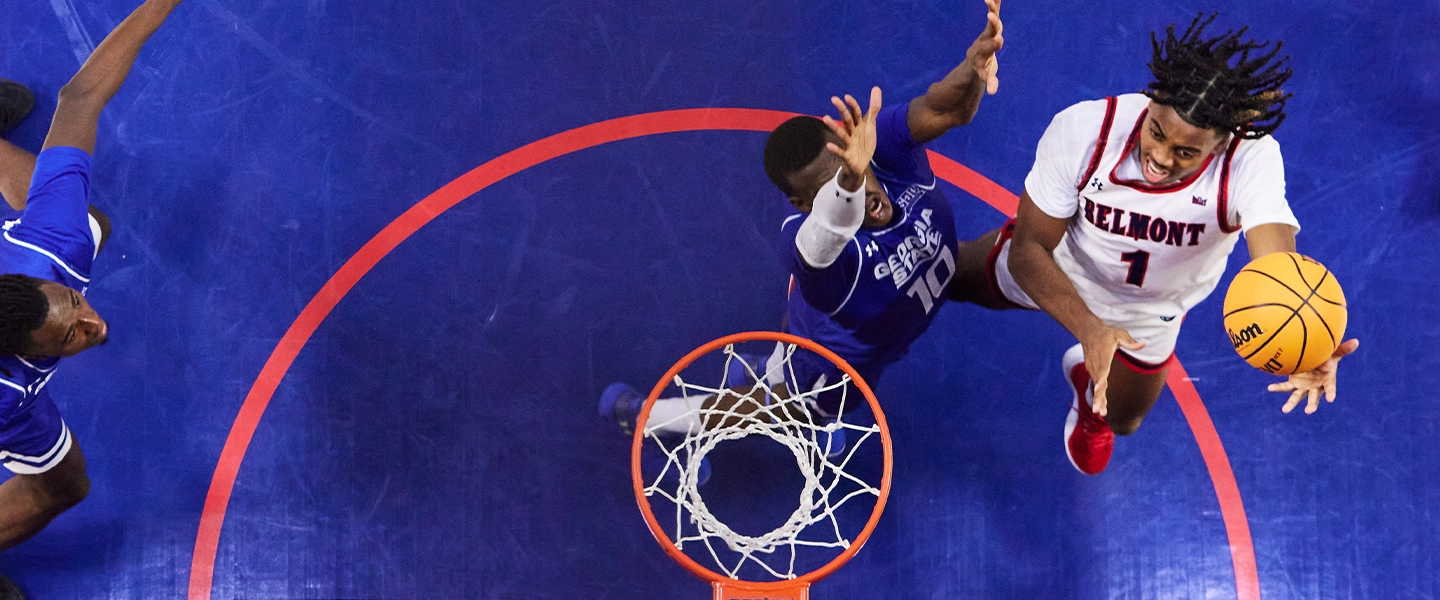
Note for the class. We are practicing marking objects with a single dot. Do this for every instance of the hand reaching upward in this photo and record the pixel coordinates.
(981, 55)
(857, 132)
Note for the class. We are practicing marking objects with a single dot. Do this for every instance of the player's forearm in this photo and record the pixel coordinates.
(835, 216)
(1037, 273)
(1270, 238)
(958, 95)
(105, 71)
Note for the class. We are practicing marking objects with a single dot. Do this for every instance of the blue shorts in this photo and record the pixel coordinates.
(34, 439)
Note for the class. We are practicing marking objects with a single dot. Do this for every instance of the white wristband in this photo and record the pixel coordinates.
(835, 216)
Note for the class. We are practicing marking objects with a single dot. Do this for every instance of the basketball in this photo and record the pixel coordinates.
(1285, 313)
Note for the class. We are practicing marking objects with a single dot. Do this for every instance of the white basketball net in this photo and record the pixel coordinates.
(808, 440)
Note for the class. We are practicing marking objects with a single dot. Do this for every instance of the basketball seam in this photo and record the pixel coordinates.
(1328, 331)
(1314, 293)
(1272, 278)
(1294, 312)
(1300, 272)
(1314, 289)
(1304, 335)
(1248, 307)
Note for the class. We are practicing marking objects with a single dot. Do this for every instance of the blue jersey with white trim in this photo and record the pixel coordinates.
(886, 286)
(49, 240)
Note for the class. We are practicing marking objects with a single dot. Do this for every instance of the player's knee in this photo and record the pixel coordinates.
(63, 488)
(102, 220)
(71, 491)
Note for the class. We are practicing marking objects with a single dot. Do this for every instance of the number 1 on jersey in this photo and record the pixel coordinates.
(1139, 260)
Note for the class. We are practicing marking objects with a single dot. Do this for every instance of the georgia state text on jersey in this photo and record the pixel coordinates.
(884, 289)
(1131, 243)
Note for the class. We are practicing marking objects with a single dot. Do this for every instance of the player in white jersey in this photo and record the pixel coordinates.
(1130, 213)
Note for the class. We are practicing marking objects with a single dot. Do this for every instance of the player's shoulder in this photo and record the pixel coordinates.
(1259, 155)
(1091, 113)
(1261, 146)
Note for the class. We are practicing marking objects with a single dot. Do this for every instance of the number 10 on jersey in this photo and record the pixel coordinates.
(930, 287)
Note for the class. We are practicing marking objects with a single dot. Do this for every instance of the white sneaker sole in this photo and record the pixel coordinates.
(1074, 356)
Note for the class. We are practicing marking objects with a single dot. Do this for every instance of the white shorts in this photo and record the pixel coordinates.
(1158, 331)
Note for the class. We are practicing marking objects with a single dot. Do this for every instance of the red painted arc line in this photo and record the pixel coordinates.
(1232, 509)
(222, 483)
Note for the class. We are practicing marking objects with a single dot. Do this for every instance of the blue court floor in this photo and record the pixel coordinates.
(427, 429)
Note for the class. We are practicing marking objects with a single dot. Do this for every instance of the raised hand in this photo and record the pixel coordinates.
(856, 131)
(1100, 350)
(1311, 383)
(981, 55)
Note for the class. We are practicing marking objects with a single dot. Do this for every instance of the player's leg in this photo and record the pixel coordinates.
(981, 275)
(1132, 393)
(746, 381)
(49, 469)
(15, 104)
(15, 164)
(1134, 384)
(99, 227)
(29, 502)
(16, 167)
(753, 384)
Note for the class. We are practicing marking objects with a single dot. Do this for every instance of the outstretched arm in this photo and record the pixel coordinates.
(77, 113)
(1308, 386)
(952, 101)
(1033, 266)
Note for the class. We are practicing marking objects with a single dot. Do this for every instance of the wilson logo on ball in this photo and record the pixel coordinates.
(1245, 335)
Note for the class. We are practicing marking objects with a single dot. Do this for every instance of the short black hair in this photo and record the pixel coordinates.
(23, 308)
(791, 146)
(1195, 76)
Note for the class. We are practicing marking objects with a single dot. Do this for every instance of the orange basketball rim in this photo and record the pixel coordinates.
(731, 588)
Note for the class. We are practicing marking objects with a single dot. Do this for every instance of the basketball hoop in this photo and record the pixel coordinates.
(764, 401)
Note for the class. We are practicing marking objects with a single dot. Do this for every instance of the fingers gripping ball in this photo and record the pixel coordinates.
(1285, 313)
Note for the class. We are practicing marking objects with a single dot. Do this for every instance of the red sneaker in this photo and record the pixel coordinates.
(1088, 440)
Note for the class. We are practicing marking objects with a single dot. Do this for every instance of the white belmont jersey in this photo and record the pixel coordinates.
(1159, 250)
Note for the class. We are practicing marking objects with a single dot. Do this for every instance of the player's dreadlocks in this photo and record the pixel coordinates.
(1195, 77)
(23, 308)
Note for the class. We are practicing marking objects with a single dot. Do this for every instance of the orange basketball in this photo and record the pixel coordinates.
(1285, 313)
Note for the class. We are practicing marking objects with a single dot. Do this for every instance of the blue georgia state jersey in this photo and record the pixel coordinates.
(888, 283)
(50, 240)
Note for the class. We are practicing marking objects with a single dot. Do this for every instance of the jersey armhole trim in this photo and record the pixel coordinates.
(1099, 143)
(48, 254)
(1222, 207)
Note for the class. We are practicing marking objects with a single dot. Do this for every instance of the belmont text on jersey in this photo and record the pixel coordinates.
(1142, 227)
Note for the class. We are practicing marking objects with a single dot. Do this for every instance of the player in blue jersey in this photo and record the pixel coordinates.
(46, 251)
(873, 253)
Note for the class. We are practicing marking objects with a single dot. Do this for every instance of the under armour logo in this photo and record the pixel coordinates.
(1095, 183)
(871, 248)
